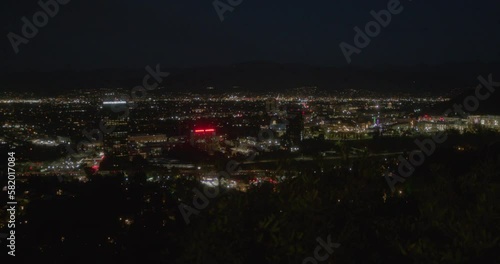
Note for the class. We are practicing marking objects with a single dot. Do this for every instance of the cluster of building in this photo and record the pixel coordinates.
(227, 123)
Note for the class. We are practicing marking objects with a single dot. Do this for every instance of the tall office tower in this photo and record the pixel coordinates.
(295, 129)
(272, 107)
(116, 116)
(205, 139)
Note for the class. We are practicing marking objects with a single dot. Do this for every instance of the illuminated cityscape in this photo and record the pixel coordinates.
(250, 132)
(231, 141)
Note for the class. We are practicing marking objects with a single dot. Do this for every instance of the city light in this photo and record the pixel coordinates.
(113, 102)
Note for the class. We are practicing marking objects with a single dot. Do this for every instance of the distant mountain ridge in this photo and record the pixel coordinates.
(489, 106)
(264, 77)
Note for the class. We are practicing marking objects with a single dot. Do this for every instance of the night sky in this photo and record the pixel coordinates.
(91, 34)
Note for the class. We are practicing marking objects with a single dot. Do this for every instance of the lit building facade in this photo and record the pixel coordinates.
(116, 116)
(205, 139)
(488, 121)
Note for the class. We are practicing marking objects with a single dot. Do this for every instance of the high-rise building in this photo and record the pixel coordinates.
(204, 138)
(272, 107)
(116, 117)
(295, 129)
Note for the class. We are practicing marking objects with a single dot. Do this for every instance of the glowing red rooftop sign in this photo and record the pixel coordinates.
(204, 130)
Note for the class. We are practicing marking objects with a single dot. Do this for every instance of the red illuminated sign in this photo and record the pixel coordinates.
(204, 130)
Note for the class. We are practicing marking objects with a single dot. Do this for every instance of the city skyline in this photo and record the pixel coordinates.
(249, 132)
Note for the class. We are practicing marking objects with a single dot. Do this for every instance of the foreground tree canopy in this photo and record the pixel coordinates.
(448, 211)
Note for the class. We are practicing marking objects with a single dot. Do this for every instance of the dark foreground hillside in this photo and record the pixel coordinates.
(448, 211)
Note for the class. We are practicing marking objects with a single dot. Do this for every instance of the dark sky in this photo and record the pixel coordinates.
(90, 34)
